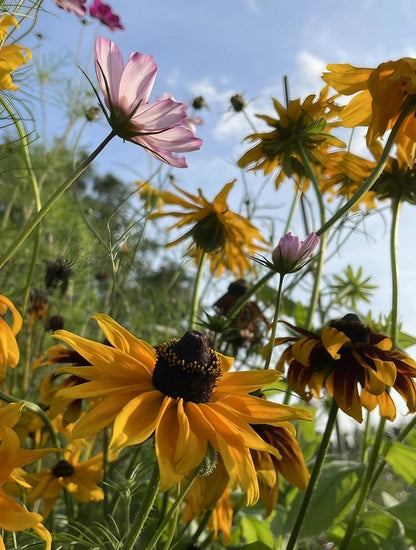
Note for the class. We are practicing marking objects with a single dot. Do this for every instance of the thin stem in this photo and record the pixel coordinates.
(295, 202)
(195, 294)
(365, 484)
(323, 240)
(202, 524)
(373, 177)
(172, 510)
(396, 209)
(144, 510)
(38, 217)
(274, 323)
(316, 472)
(244, 299)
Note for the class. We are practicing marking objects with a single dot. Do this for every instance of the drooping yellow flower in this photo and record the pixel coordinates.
(13, 515)
(381, 94)
(301, 124)
(227, 237)
(355, 365)
(9, 351)
(12, 56)
(344, 173)
(71, 474)
(182, 393)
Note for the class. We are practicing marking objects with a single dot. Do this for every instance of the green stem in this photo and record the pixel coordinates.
(38, 217)
(172, 510)
(201, 527)
(37, 410)
(195, 294)
(274, 324)
(373, 177)
(396, 209)
(144, 510)
(316, 472)
(295, 202)
(244, 299)
(365, 484)
(323, 240)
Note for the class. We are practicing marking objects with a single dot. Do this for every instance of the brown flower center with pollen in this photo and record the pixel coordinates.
(352, 327)
(187, 368)
(63, 469)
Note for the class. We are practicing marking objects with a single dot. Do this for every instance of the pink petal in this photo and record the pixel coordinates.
(109, 68)
(137, 81)
(160, 115)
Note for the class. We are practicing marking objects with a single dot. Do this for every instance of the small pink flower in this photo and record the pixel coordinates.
(105, 14)
(74, 6)
(158, 126)
(291, 254)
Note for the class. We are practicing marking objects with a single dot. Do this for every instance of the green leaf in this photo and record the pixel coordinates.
(403, 461)
(337, 486)
(378, 531)
(256, 530)
(405, 512)
(405, 340)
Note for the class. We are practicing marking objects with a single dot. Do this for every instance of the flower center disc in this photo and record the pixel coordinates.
(187, 368)
(352, 327)
(63, 469)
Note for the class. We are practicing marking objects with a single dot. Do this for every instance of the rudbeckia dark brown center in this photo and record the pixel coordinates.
(187, 368)
(63, 469)
(352, 327)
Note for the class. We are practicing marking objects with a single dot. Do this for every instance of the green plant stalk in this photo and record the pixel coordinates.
(274, 323)
(403, 433)
(38, 217)
(375, 174)
(295, 202)
(244, 299)
(172, 510)
(202, 524)
(144, 510)
(316, 472)
(323, 240)
(365, 485)
(394, 237)
(172, 527)
(195, 294)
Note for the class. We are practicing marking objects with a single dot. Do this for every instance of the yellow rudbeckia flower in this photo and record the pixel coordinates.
(381, 94)
(12, 56)
(9, 350)
(180, 391)
(227, 237)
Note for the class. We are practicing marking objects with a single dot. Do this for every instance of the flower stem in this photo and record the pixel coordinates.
(323, 240)
(365, 484)
(274, 323)
(172, 510)
(396, 209)
(144, 510)
(373, 177)
(195, 295)
(316, 472)
(38, 217)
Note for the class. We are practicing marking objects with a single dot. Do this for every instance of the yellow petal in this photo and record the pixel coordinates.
(333, 340)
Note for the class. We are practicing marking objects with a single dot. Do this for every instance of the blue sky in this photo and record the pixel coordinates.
(218, 48)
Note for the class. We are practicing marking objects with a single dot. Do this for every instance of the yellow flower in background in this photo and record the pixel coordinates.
(9, 351)
(80, 478)
(12, 56)
(381, 94)
(13, 515)
(344, 173)
(302, 124)
(227, 237)
(355, 365)
(291, 466)
(180, 391)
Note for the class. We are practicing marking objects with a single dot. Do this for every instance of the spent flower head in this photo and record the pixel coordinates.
(158, 127)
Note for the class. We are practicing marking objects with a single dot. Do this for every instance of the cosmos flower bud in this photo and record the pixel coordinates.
(290, 254)
(237, 102)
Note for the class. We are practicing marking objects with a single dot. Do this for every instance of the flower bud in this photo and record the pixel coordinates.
(290, 254)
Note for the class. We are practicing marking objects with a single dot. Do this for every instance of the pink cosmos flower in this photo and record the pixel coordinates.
(291, 254)
(105, 14)
(74, 6)
(158, 126)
